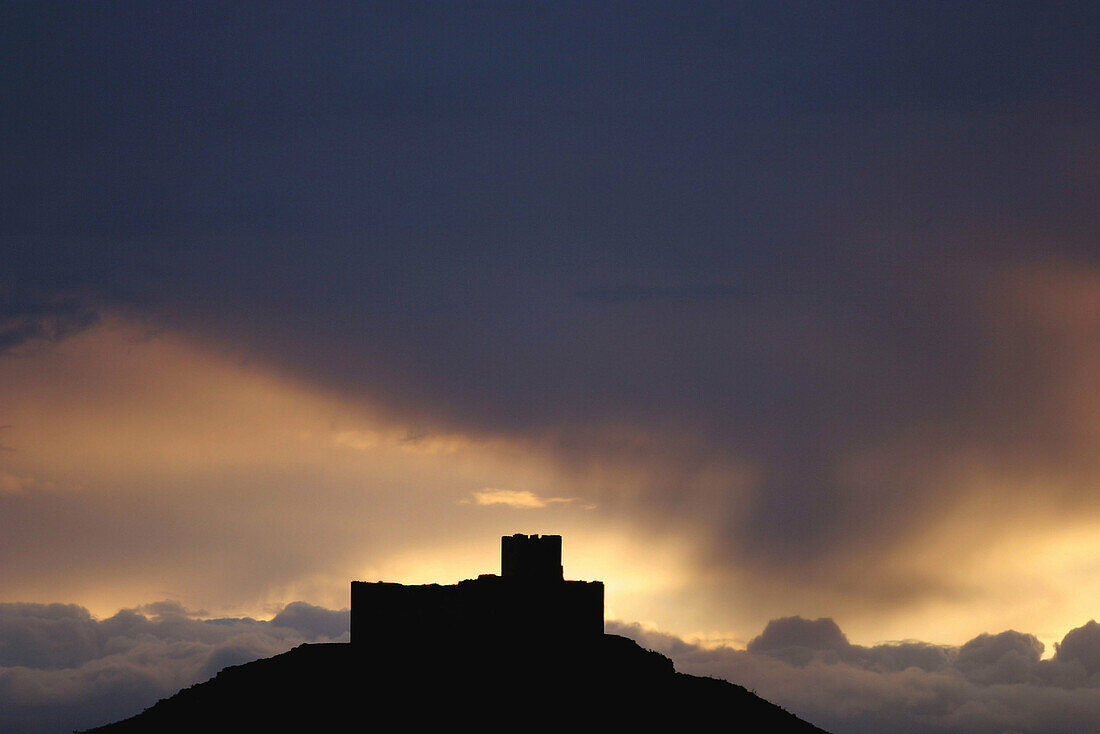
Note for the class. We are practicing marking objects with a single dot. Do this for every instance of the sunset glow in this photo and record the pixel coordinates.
(785, 316)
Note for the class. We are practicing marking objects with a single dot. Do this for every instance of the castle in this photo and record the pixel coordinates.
(530, 599)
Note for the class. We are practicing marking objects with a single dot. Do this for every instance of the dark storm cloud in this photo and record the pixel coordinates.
(765, 229)
(641, 293)
(26, 320)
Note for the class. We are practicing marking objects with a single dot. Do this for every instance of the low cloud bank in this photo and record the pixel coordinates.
(61, 669)
(993, 683)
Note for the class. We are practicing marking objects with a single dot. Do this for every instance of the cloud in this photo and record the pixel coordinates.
(621, 294)
(47, 636)
(993, 683)
(1082, 646)
(313, 622)
(1007, 657)
(168, 608)
(13, 483)
(61, 669)
(521, 499)
(25, 320)
(799, 640)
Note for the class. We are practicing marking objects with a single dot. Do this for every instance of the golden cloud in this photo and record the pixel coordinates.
(521, 499)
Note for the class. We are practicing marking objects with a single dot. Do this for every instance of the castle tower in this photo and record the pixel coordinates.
(531, 557)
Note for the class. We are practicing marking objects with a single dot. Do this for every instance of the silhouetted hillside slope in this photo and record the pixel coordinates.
(538, 686)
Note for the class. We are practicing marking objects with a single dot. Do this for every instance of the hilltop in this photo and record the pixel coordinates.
(529, 684)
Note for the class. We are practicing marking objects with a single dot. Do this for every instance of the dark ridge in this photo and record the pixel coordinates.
(522, 684)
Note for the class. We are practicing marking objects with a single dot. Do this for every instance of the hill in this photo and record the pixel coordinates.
(530, 685)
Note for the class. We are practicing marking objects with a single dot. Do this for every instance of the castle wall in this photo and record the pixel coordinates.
(490, 607)
(528, 600)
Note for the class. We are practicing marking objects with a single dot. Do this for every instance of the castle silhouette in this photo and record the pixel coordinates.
(529, 599)
(522, 650)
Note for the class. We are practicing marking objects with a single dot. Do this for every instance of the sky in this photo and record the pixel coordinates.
(774, 311)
